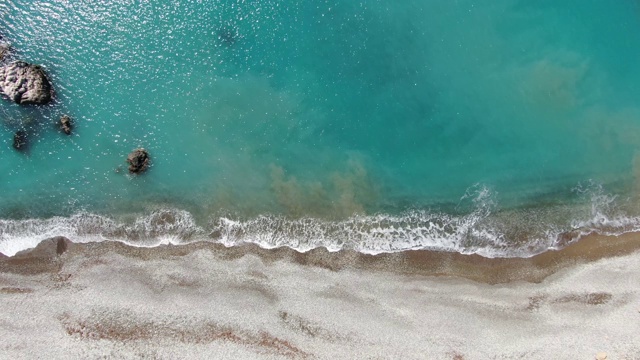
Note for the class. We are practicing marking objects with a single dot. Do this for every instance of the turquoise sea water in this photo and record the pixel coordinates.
(489, 127)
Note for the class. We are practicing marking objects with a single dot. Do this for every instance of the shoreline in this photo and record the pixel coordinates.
(45, 257)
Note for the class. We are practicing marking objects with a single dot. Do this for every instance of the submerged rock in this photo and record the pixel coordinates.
(138, 160)
(20, 141)
(66, 124)
(25, 83)
(227, 35)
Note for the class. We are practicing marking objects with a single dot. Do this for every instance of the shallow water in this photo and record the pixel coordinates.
(379, 126)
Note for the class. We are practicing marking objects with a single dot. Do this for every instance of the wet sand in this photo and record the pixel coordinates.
(65, 300)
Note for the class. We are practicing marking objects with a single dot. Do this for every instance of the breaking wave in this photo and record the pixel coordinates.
(486, 230)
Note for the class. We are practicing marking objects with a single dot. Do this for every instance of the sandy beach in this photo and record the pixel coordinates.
(109, 300)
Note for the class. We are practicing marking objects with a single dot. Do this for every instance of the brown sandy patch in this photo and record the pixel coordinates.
(28, 265)
(41, 259)
(456, 355)
(599, 298)
(127, 327)
(309, 328)
(535, 302)
(592, 299)
(15, 290)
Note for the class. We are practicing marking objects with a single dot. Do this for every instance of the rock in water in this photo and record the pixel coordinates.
(25, 83)
(138, 160)
(20, 140)
(227, 35)
(66, 124)
(5, 50)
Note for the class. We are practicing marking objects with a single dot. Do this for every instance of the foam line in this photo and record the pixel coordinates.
(484, 231)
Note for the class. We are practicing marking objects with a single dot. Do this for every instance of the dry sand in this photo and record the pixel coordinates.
(108, 300)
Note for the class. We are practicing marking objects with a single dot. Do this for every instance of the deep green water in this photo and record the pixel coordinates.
(470, 126)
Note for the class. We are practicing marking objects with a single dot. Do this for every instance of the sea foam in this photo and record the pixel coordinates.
(485, 230)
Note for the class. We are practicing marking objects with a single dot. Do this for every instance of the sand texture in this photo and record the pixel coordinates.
(203, 301)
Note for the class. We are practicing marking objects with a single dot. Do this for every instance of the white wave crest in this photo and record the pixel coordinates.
(484, 230)
(166, 226)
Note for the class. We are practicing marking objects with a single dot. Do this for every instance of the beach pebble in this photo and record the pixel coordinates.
(25, 83)
(601, 356)
(138, 160)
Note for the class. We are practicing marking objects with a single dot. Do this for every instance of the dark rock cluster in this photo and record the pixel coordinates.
(28, 84)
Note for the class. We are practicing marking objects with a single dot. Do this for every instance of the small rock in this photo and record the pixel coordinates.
(20, 142)
(5, 50)
(601, 356)
(138, 160)
(25, 83)
(66, 124)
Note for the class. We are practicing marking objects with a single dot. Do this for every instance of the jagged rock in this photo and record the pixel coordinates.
(25, 83)
(66, 124)
(138, 160)
(20, 141)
